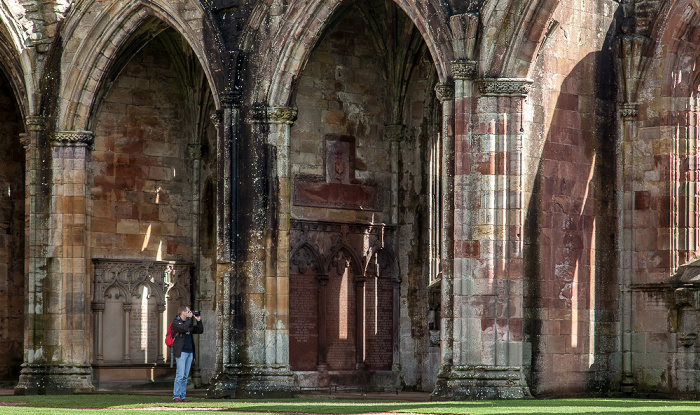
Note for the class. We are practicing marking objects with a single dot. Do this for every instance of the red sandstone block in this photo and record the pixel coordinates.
(125, 146)
(124, 210)
(148, 212)
(642, 200)
(563, 134)
(102, 224)
(101, 209)
(133, 242)
(485, 163)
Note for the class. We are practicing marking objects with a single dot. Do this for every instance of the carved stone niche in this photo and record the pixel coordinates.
(133, 303)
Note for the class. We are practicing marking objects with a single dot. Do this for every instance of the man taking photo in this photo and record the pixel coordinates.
(185, 324)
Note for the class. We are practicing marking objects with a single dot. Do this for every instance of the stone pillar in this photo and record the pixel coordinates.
(98, 308)
(161, 335)
(625, 202)
(487, 355)
(279, 121)
(395, 324)
(227, 142)
(127, 333)
(360, 281)
(262, 287)
(322, 339)
(58, 339)
(445, 93)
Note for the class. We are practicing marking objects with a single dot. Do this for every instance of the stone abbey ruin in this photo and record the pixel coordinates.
(473, 198)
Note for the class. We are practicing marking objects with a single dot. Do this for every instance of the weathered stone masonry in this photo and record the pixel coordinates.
(483, 199)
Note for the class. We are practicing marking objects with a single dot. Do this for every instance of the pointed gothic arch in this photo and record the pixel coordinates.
(128, 27)
(292, 45)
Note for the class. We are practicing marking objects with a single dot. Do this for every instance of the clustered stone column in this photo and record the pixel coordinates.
(226, 123)
(58, 314)
(487, 333)
(259, 349)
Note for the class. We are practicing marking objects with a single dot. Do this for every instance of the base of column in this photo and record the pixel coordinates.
(254, 382)
(46, 379)
(627, 384)
(481, 382)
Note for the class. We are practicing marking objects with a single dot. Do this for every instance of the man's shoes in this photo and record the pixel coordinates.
(184, 400)
(176, 400)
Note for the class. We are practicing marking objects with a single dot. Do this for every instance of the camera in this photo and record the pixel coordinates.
(195, 313)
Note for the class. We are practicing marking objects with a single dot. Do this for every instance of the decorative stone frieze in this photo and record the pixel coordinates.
(145, 290)
(272, 115)
(505, 86)
(127, 276)
(465, 70)
(281, 115)
(72, 138)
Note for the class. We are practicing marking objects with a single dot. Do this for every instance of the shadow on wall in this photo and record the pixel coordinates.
(570, 273)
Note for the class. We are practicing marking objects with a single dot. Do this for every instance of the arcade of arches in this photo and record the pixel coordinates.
(477, 199)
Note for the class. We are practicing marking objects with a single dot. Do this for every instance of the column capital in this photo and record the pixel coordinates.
(512, 87)
(35, 123)
(465, 70)
(445, 91)
(26, 140)
(628, 110)
(72, 138)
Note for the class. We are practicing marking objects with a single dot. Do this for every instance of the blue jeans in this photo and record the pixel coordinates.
(181, 373)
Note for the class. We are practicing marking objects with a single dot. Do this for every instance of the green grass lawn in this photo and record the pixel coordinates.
(142, 404)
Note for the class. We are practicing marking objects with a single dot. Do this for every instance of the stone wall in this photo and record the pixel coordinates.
(141, 168)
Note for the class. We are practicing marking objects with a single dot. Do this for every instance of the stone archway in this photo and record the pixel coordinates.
(360, 154)
(12, 233)
(150, 163)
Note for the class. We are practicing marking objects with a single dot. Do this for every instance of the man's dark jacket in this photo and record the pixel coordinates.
(181, 327)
